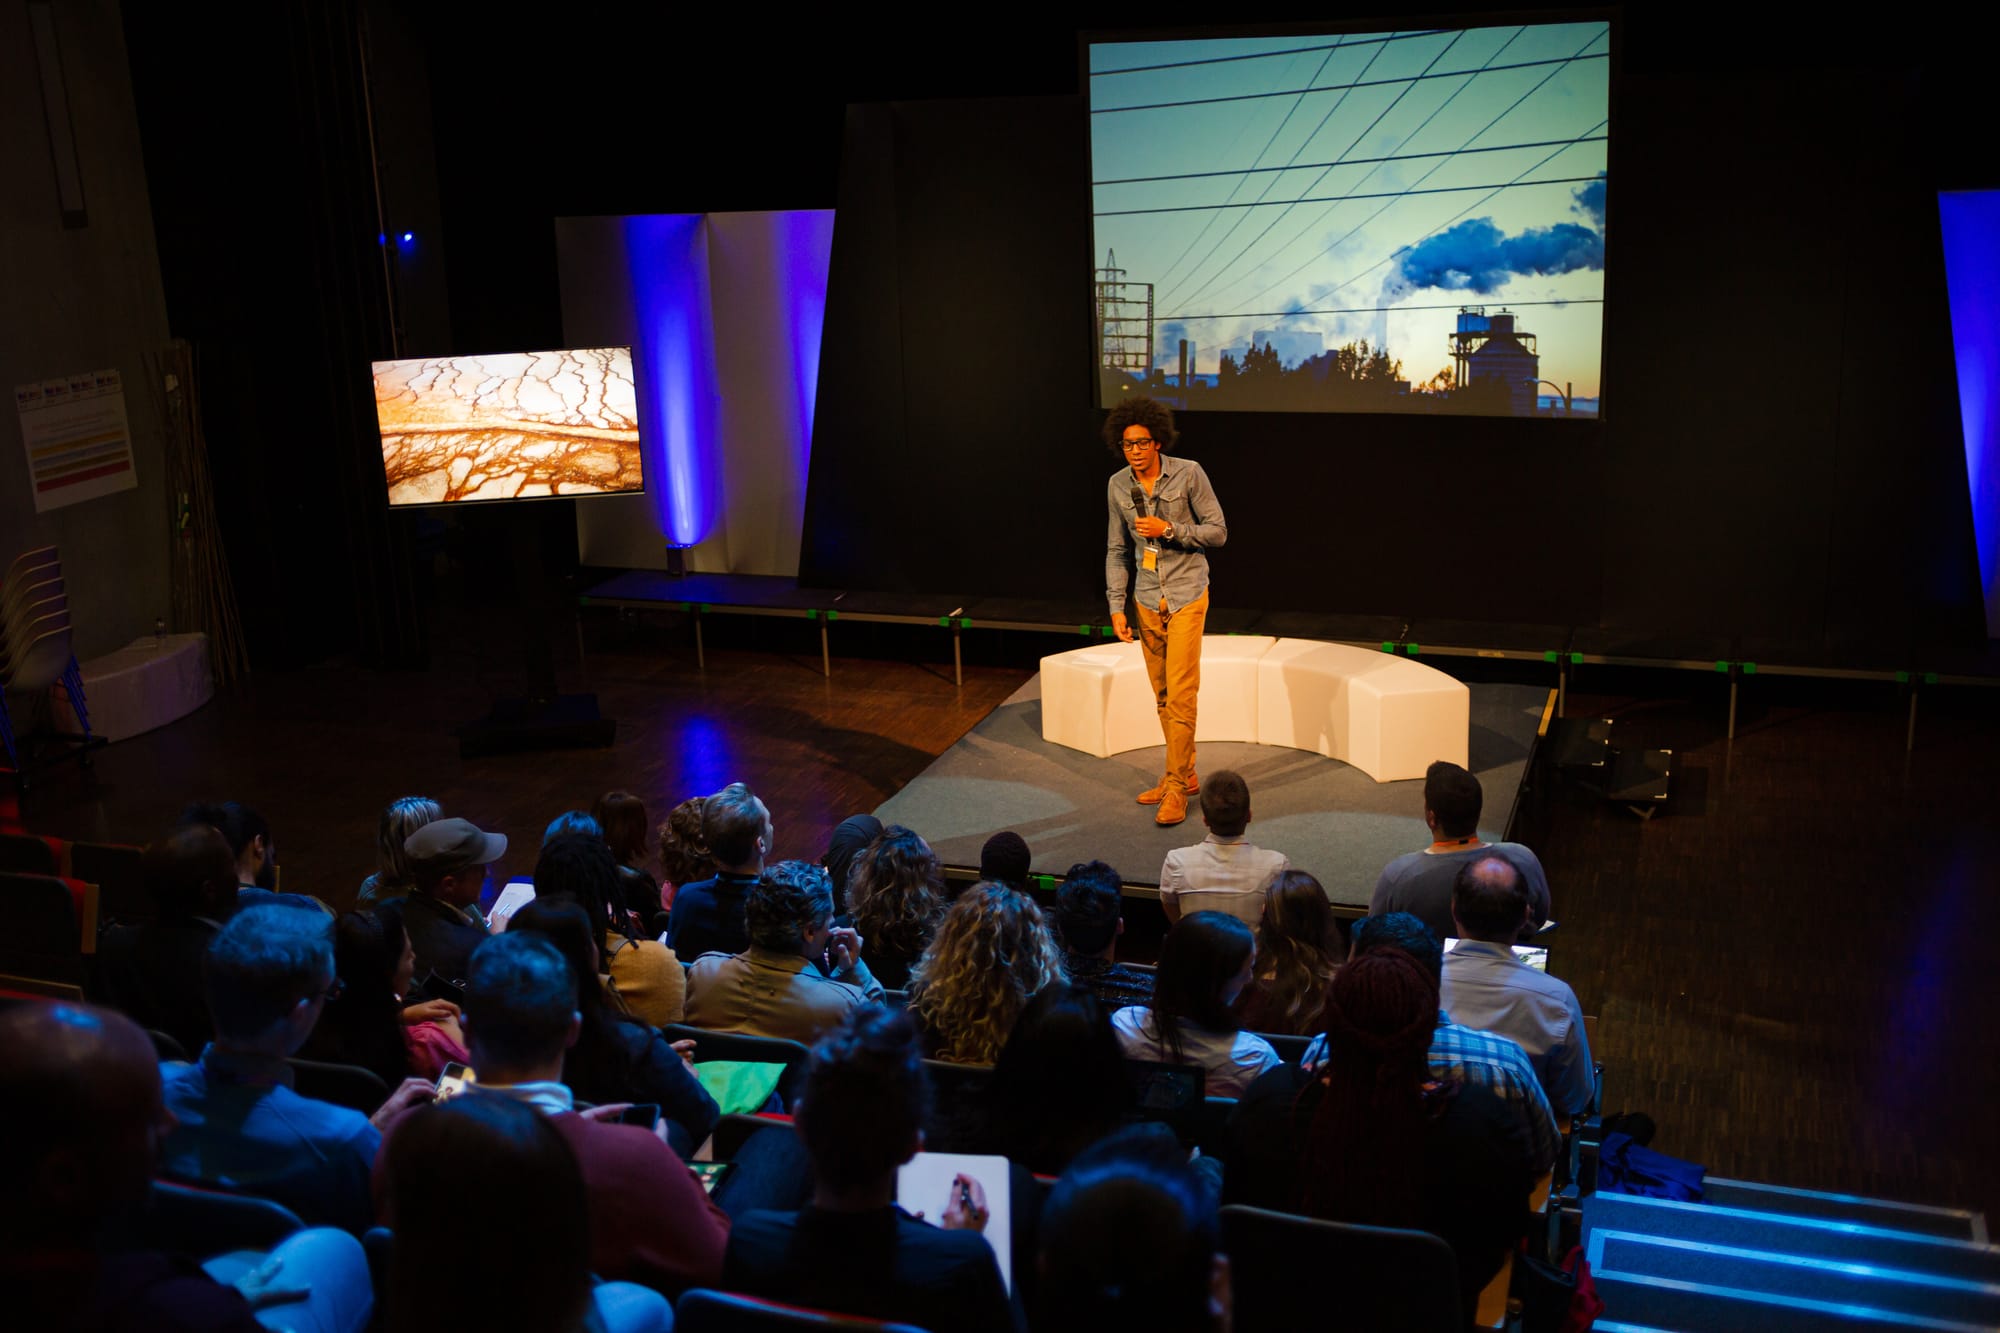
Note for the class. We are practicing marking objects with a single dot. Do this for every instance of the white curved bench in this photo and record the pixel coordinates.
(1099, 700)
(1388, 716)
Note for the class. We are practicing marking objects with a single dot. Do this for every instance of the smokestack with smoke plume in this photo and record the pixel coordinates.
(1476, 256)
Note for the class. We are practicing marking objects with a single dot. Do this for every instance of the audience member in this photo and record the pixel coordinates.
(852, 1249)
(708, 914)
(1298, 948)
(646, 974)
(1205, 962)
(81, 1119)
(650, 1220)
(267, 974)
(256, 854)
(622, 816)
(249, 839)
(1130, 1240)
(1488, 988)
(393, 877)
(1371, 1137)
(1005, 859)
(1089, 918)
(151, 971)
(367, 1023)
(1223, 872)
(1461, 1053)
(484, 1189)
(991, 954)
(1420, 882)
(777, 986)
(580, 822)
(684, 856)
(449, 860)
(895, 893)
(1059, 1084)
(848, 841)
(617, 1058)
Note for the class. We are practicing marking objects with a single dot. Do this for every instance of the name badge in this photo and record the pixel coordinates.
(1150, 558)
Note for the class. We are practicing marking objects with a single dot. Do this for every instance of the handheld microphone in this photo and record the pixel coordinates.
(1138, 500)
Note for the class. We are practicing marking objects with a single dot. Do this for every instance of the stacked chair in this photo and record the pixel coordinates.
(35, 651)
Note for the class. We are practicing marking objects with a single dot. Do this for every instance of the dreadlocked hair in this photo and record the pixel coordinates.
(992, 952)
(1367, 1134)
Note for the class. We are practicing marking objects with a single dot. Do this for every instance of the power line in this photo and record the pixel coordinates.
(1376, 309)
(1352, 161)
(1338, 103)
(1491, 57)
(1341, 87)
(1260, 55)
(1253, 161)
(1343, 198)
(1352, 231)
(1394, 102)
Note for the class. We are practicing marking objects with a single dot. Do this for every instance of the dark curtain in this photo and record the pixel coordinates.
(255, 129)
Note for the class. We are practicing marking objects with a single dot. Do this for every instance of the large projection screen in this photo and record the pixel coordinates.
(509, 426)
(1408, 221)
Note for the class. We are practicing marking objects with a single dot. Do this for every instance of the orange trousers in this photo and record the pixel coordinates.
(1172, 644)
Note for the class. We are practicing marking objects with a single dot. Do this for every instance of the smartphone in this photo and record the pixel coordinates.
(454, 1080)
(643, 1114)
(710, 1174)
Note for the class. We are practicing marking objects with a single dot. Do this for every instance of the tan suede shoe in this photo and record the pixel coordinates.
(1173, 807)
(1151, 796)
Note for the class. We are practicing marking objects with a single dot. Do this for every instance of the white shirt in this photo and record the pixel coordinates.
(1221, 875)
(1231, 1060)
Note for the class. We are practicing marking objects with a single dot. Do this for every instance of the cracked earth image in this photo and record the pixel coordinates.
(509, 426)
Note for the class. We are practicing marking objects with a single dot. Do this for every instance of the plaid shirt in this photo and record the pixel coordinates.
(1114, 984)
(1500, 1064)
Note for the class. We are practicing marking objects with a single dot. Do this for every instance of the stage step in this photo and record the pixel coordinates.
(1798, 1278)
(1779, 1233)
(1692, 1307)
(1952, 1223)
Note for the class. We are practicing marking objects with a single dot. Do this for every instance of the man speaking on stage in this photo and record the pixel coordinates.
(1164, 515)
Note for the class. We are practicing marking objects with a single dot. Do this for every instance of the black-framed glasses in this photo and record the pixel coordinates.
(1130, 445)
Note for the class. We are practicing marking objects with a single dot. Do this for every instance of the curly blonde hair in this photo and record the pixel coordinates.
(895, 891)
(992, 953)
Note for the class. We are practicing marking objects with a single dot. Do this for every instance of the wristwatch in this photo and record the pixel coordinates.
(1169, 533)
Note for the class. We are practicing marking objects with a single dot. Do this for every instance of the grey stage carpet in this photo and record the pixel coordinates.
(1332, 820)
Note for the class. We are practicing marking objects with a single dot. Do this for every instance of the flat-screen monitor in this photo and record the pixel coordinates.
(1406, 221)
(511, 426)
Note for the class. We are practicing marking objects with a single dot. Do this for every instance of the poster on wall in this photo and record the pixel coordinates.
(79, 445)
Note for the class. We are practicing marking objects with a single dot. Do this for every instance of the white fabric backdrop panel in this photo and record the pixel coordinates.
(762, 285)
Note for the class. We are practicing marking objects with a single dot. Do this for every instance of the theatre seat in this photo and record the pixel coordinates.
(1386, 715)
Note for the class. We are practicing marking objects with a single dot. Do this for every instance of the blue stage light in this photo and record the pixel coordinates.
(409, 236)
(674, 363)
(1971, 222)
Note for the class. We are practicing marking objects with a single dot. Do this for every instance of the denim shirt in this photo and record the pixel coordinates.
(1182, 496)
